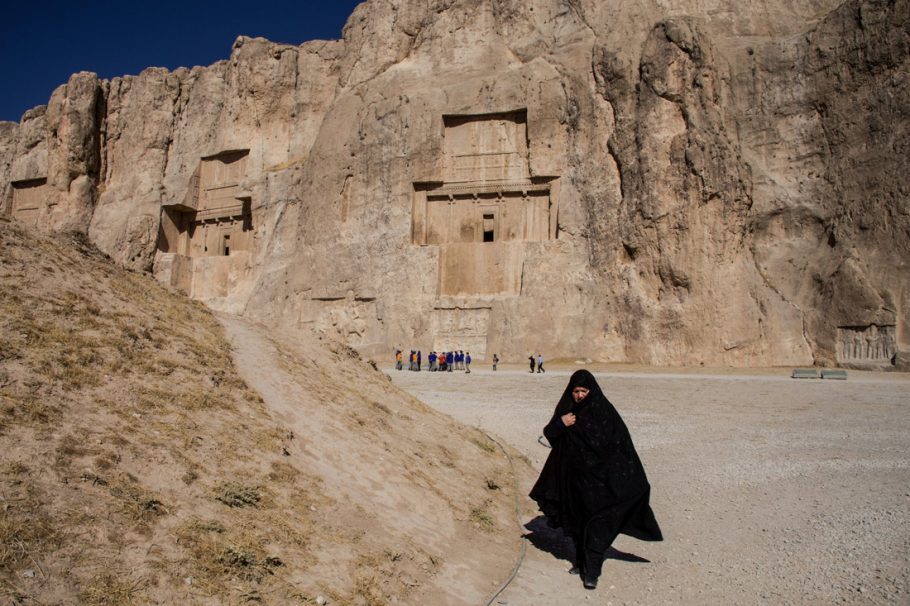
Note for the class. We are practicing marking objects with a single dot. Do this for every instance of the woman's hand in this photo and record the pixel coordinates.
(568, 419)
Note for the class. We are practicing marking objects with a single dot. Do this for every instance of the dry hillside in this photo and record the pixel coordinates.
(138, 465)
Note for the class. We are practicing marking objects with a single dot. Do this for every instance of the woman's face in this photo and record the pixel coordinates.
(580, 393)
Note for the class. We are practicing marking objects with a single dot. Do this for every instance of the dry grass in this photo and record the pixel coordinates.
(245, 549)
(24, 404)
(236, 495)
(138, 503)
(24, 531)
(484, 443)
(111, 589)
(126, 397)
(389, 575)
(367, 587)
(481, 516)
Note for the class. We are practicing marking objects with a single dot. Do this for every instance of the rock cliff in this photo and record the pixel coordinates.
(702, 183)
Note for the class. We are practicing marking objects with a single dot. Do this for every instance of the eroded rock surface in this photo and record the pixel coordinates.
(693, 184)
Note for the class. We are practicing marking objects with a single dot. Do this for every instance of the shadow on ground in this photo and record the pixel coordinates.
(562, 547)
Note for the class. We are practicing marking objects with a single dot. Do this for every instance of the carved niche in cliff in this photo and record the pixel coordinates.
(29, 197)
(214, 218)
(213, 223)
(866, 345)
(485, 207)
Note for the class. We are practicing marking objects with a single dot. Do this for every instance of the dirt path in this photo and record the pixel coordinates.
(404, 483)
(768, 489)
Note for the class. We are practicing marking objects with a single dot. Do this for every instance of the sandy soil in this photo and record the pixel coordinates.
(769, 490)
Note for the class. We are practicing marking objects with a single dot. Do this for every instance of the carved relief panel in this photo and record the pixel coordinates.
(353, 320)
(461, 329)
(875, 345)
(219, 179)
(212, 236)
(504, 216)
(486, 147)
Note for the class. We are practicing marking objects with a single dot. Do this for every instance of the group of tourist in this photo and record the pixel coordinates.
(447, 361)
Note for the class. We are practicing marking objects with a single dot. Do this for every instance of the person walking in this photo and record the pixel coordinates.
(540, 363)
(398, 357)
(419, 360)
(593, 484)
(467, 362)
(531, 360)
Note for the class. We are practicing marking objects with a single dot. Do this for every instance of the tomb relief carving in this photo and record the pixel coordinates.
(28, 200)
(354, 320)
(461, 329)
(492, 147)
(866, 344)
(485, 206)
(211, 228)
(219, 182)
(215, 218)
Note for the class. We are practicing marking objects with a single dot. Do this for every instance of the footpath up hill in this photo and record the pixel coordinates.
(145, 460)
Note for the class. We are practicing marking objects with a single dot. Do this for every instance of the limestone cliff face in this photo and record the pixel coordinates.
(830, 188)
(720, 184)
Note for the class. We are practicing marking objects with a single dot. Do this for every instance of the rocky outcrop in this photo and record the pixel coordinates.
(618, 181)
(57, 156)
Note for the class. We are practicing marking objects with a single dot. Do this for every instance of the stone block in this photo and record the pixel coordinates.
(804, 373)
(834, 373)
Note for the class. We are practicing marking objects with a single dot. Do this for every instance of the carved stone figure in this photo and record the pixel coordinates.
(870, 345)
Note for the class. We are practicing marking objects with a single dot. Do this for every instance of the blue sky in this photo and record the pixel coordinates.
(42, 43)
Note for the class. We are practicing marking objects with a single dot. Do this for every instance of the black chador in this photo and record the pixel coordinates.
(593, 484)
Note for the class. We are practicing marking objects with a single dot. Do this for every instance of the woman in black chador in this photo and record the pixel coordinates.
(593, 485)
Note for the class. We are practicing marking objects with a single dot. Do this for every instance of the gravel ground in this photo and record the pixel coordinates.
(769, 490)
